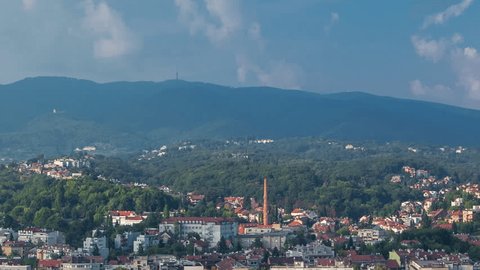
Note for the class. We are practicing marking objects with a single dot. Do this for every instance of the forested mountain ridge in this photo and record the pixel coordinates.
(133, 115)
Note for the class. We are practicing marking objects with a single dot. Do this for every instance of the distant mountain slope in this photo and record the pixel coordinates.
(131, 115)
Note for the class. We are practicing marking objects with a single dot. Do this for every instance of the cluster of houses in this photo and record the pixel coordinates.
(249, 245)
(61, 168)
(301, 239)
(435, 190)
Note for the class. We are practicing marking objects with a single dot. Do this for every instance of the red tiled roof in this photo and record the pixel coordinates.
(226, 264)
(366, 258)
(295, 223)
(135, 218)
(122, 213)
(326, 262)
(123, 259)
(14, 243)
(392, 264)
(446, 226)
(297, 211)
(96, 259)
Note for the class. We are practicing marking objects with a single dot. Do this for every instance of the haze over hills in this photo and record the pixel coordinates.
(135, 115)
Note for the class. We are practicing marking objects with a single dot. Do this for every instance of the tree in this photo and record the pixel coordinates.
(152, 220)
(140, 251)
(266, 255)
(257, 243)
(222, 246)
(96, 251)
(238, 246)
(41, 217)
(166, 211)
(350, 242)
(426, 221)
(275, 252)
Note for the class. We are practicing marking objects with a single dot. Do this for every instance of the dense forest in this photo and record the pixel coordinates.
(60, 114)
(306, 172)
(74, 207)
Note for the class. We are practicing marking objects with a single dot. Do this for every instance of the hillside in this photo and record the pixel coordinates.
(124, 116)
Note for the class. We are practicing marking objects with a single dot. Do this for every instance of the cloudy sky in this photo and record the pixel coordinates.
(428, 50)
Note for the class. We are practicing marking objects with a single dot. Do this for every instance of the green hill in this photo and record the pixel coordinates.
(131, 115)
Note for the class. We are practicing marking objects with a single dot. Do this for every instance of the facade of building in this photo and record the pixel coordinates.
(125, 240)
(311, 251)
(210, 229)
(144, 241)
(427, 265)
(125, 218)
(15, 267)
(41, 236)
(269, 240)
(101, 243)
(14, 248)
(371, 236)
(82, 266)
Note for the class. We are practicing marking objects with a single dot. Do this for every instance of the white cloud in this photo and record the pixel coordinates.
(334, 19)
(227, 13)
(470, 52)
(28, 4)
(464, 61)
(419, 89)
(112, 37)
(452, 11)
(457, 38)
(220, 21)
(255, 31)
(433, 50)
(279, 74)
(466, 65)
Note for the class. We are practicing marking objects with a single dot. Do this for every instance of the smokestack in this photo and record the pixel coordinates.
(265, 202)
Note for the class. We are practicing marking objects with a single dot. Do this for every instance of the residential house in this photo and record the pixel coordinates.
(456, 216)
(467, 215)
(372, 236)
(49, 264)
(14, 248)
(126, 218)
(49, 252)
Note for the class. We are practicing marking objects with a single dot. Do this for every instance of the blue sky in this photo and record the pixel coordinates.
(427, 50)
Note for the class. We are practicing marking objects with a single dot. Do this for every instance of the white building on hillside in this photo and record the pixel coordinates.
(38, 236)
(99, 241)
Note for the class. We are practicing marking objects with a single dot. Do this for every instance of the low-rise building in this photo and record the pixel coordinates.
(427, 265)
(372, 236)
(15, 267)
(210, 229)
(96, 242)
(39, 236)
(311, 251)
(14, 248)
